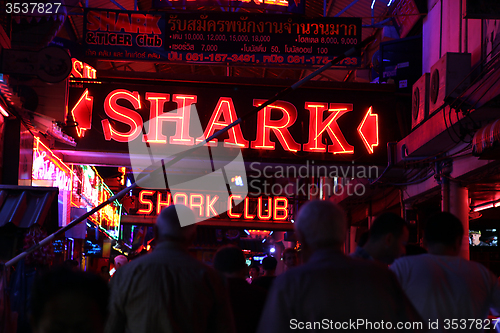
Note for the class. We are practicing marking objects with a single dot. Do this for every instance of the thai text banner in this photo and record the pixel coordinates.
(220, 37)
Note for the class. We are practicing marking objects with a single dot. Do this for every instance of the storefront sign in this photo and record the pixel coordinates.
(82, 70)
(320, 124)
(284, 6)
(109, 214)
(89, 191)
(210, 205)
(220, 37)
(49, 167)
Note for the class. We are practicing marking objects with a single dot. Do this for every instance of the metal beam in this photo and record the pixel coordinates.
(346, 8)
(117, 4)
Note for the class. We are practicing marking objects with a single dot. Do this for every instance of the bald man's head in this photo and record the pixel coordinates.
(176, 223)
(321, 224)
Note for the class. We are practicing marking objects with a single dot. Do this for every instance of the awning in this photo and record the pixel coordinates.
(486, 138)
(24, 206)
(34, 30)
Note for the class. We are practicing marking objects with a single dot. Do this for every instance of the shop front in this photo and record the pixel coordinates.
(80, 188)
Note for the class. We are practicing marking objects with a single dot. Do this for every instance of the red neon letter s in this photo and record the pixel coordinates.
(77, 69)
(122, 114)
(146, 202)
(279, 127)
(225, 107)
(317, 126)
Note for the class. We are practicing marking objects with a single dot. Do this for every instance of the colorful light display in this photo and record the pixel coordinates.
(49, 167)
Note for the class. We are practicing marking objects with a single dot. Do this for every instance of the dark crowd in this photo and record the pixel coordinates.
(382, 286)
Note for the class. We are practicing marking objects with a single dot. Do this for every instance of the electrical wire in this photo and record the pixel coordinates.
(414, 182)
(478, 77)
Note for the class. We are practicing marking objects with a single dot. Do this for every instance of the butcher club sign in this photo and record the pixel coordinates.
(312, 122)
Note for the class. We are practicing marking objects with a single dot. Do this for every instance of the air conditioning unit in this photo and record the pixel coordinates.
(420, 101)
(449, 78)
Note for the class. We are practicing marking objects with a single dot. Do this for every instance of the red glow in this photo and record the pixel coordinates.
(210, 206)
(180, 117)
(135, 23)
(246, 214)
(146, 202)
(368, 130)
(122, 114)
(47, 166)
(196, 201)
(82, 70)
(4, 112)
(184, 103)
(269, 209)
(77, 69)
(156, 116)
(224, 114)
(184, 197)
(225, 107)
(160, 204)
(318, 126)
(283, 208)
(279, 127)
(230, 206)
(82, 113)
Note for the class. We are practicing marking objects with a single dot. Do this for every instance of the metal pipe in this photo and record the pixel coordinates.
(404, 155)
(445, 194)
(346, 8)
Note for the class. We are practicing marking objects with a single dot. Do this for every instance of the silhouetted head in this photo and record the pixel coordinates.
(176, 223)
(269, 263)
(321, 224)
(443, 230)
(229, 259)
(388, 237)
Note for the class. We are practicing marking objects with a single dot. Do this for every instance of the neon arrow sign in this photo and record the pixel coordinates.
(82, 113)
(368, 130)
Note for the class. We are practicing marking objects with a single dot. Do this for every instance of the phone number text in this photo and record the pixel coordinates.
(258, 58)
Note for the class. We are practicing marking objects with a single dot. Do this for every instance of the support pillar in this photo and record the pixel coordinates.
(459, 206)
(352, 239)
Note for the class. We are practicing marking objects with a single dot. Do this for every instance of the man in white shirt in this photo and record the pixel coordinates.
(331, 291)
(449, 292)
